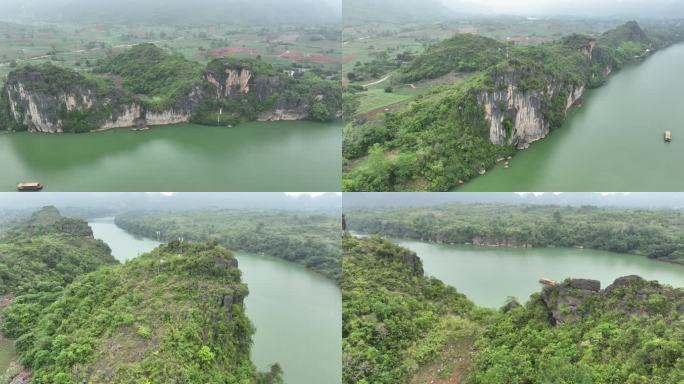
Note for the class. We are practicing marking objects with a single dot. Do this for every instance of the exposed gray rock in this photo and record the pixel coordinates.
(622, 282)
(586, 284)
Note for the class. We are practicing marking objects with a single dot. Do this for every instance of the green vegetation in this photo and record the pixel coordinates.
(628, 333)
(394, 318)
(442, 139)
(655, 234)
(165, 79)
(47, 252)
(437, 141)
(309, 239)
(147, 78)
(460, 53)
(269, 89)
(174, 315)
(401, 327)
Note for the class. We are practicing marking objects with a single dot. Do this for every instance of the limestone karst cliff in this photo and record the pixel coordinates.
(524, 99)
(145, 85)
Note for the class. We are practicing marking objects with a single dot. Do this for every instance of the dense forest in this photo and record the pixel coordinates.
(147, 80)
(174, 315)
(47, 252)
(401, 327)
(395, 319)
(443, 138)
(309, 239)
(655, 234)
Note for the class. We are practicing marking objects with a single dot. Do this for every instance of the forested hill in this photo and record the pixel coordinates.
(655, 234)
(310, 239)
(48, 251)
(629, 332)
(513, 96)
(147, 85)
(174, 315)
(400, 327)
(396, 320)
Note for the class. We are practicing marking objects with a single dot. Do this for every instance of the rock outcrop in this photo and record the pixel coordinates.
(49, 220)
(572, 300)
(62, 108)
(519, 115)
(269, 92)
(564, 300)
(47, 98)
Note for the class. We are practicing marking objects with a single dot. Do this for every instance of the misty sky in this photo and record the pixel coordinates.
(118, 201)
(587, 8)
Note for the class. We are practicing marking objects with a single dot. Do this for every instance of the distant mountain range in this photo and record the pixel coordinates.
(105, 203)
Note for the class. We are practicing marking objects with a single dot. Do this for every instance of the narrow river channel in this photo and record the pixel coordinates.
(297, 313)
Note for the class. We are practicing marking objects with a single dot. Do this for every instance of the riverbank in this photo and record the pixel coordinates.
(595, 146)
(488, 275)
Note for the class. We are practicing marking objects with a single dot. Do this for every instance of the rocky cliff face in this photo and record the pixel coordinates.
(631, 295)
(274, 94)
(519, 115)
(35, 110)
(38, 108)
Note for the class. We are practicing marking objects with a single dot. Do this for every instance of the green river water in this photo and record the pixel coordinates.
(297, 313)
(259, 156)
(489, 275)
(614, 142)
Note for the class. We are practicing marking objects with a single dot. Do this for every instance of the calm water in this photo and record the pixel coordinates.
(489, 275)
(297, 313)
(124, 245)
(298, 316)
(614, 142)
(271, 156)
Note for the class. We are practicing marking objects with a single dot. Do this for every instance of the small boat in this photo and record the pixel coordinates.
(548, 282)
(668, 136)
(31, 186)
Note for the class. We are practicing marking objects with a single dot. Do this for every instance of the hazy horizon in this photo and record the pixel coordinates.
(178, 12)
(646, 200)
(136, 201)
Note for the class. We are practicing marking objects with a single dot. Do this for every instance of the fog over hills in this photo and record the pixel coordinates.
(177, 12)
(669, 200)
(365, 11)
(359, 11)
(111, 203)
(580, 8)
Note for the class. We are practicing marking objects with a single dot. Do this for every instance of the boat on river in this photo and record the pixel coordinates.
(548, 282)
(30, 186)
(668, 136)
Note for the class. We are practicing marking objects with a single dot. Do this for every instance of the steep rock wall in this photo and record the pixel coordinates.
(519, 115)
(525, 111)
